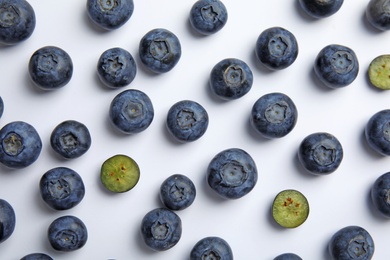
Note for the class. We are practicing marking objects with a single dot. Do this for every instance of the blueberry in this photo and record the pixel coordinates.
(177, 192)
(110, 14)
(351, 242)
(377, 132)
(61, 188)
(160, 50)
(7, 220)
(320, 153)
(161, 229)
(116, 68)
(187, 121)
(50, 68)
(231, 79)
(378, 14)
(208, 16)
(274, 115)
(380, 194)
(131, 111)
(276, 48)
(20, 146)
(336, 66)
(17, 21)
(232, 173)
(70, 139)
(67, 233)
(1, 107)
(288, 256)
(211, 248)
(36, 256)
(379, 72)
(320, 8)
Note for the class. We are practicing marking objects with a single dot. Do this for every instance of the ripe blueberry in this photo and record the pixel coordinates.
(232, 173)
(211, 248)
(160, 50)
(378, 14)
(380, 194)
(50, 68)
(231, 79)
(320, 8)
(20, 146)
(177, 192)
(61, 188)
(377, 132)
(288, 256)
(208, 16)
(276, 48)
(336, 66)
(7, 220)
(36, 256)
(1, 106)
(116, 68)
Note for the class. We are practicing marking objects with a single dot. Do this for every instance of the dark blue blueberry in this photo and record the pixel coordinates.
(380, 194)
(288, 256)
(1, 107)
(208, 16)
(320, 153)
(50, 68)
(61, 188)
(20, 146)
(70, 139)
(131, 111)
(378, 14)
(351, 242)
(209, 248)
(7, 220)
(231, 79)
(232, 173)
(161, 229)
(67, 233)
(116, 68)
(276, 48)
(187, 121)
(37, 256)
(17, 21)
(160, 50)
(274, 115)
(177, 192)
(377, 132)
(110, 14)
(336, 66)
(320, 8)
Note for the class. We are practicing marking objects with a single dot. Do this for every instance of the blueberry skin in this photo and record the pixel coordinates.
(351, 242)
(320, 153)
(36, 256)
(160, 50)
(61, 188)
(187, 121)
(20, 146)
(320, 8)
(1, 107)
(378, 14)
(232, 173)
(131, 111)
(116, 68)
(276, 48)
(50, 68)
(377, 132)
(161, 229)
(274, 115)
(67, 233)
(288, 256)
(7, 220)
(211, 248)
(336, 66)
(380, 194)
(110, 15)
(70, 139)
(231, 79)
(17, 21)
(208, 16)
(177, 192)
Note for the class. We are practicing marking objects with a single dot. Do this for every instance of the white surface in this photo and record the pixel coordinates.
(113, 220)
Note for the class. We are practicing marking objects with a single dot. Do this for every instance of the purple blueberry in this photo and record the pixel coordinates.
(320, 8)
(36, 256)
(378, 14)
(377, 132)
(288, 256)
(380, 194)
(212, 247)
(7, 220)
(177, 192)
(1, 106)
(208, 16)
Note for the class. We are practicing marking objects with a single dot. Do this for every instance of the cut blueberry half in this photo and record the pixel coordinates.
(379, 72)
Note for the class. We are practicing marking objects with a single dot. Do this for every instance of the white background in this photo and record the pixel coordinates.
(113, 220)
